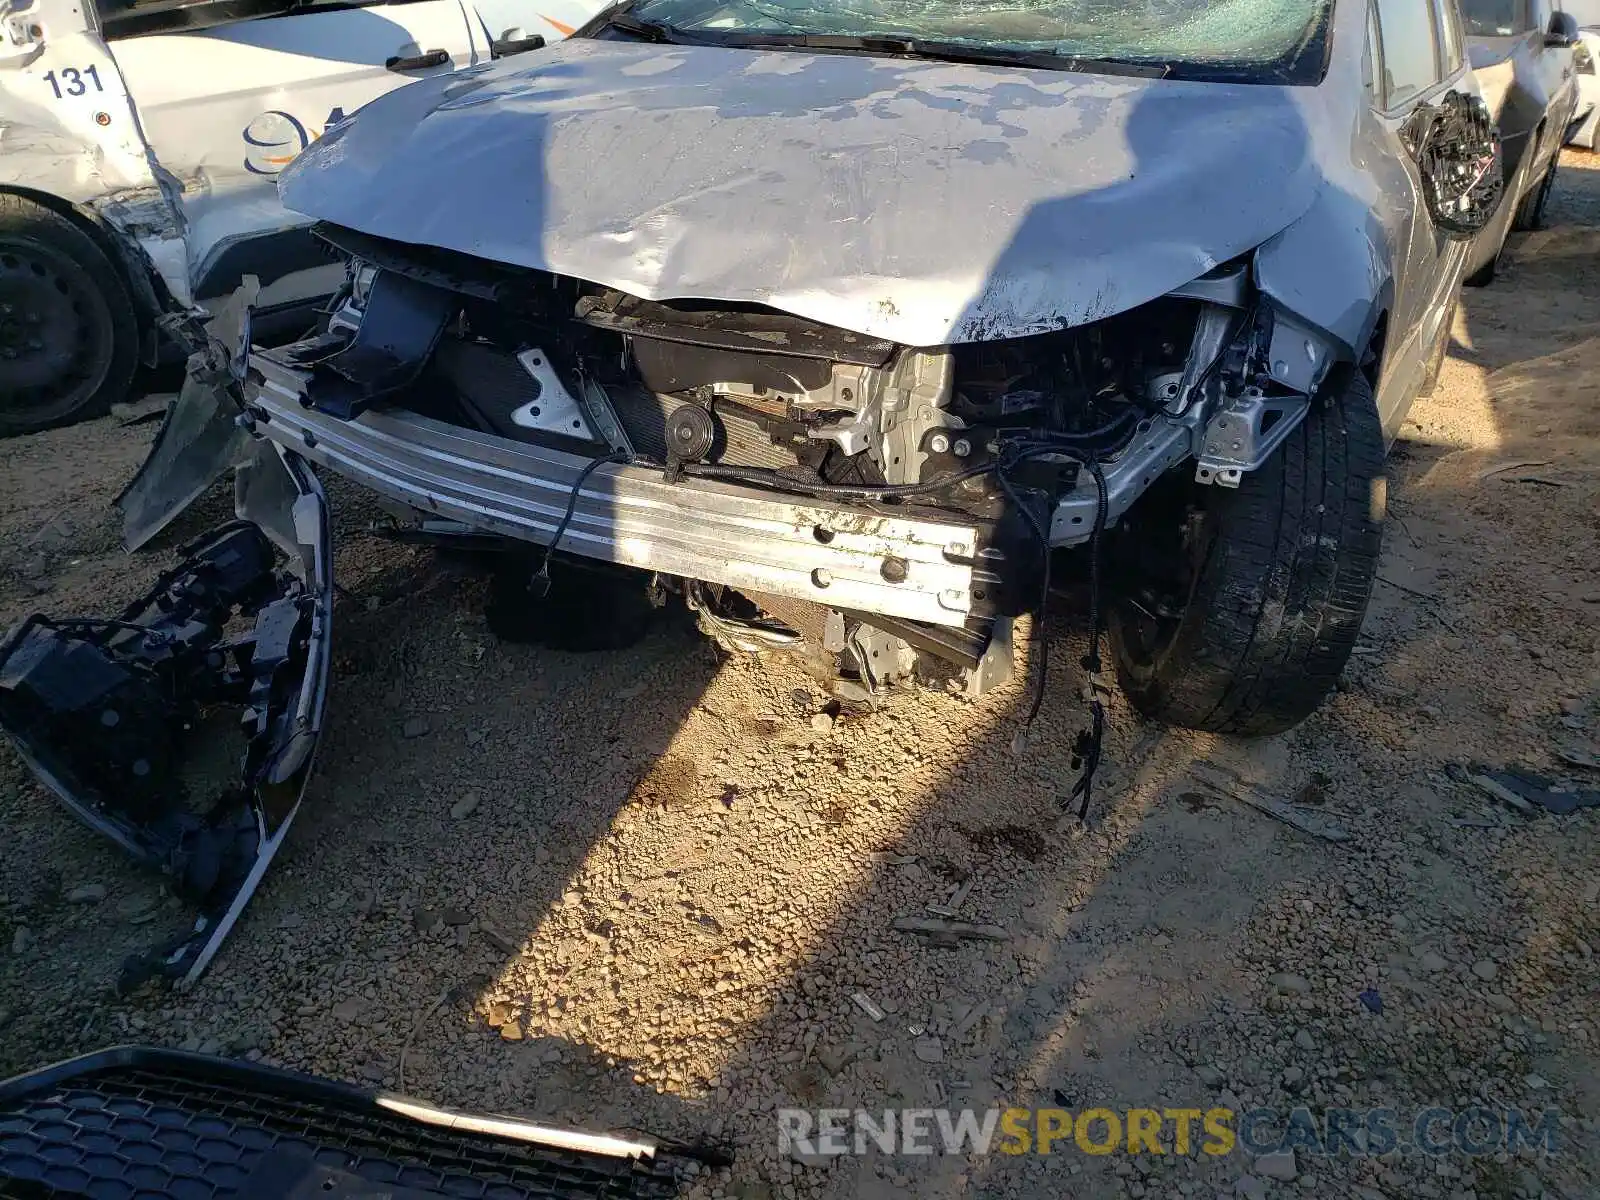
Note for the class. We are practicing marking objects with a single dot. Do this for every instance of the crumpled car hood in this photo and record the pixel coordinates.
(924, 202)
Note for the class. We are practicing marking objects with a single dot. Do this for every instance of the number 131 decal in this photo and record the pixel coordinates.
(74, 82)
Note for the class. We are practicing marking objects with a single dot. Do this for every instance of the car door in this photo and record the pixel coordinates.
(226, 103)
(1556, 63)
(1417, 55)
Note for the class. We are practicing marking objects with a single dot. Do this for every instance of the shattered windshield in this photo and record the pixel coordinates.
(1283, 40)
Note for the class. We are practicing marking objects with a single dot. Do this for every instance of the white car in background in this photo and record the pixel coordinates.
(1586, 63)
(140, 141)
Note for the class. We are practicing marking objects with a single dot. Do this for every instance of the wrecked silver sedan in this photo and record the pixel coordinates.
(842, 323)
(850, 326)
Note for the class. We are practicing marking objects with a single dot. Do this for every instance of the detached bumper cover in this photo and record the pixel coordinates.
(110, 713)
(136, 1121)
(845, 557)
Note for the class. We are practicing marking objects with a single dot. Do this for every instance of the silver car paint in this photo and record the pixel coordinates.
(924, 202)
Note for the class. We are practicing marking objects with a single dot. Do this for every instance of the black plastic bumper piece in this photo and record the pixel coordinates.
(142, 1124)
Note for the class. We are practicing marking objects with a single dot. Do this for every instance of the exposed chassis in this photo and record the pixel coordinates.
(847, 556)
(852, 557)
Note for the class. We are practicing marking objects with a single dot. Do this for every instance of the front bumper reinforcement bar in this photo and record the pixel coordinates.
(844, 557)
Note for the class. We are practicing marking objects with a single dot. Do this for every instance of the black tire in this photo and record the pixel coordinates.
(1485, 274)
(69, 341)
(1530, 213)
(1260, 619)
(584, 609)
(1430, 378)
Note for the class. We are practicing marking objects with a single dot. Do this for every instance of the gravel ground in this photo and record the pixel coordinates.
(638, 889)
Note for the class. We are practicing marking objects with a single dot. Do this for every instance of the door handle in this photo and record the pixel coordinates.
(508, 46)
(419, 62)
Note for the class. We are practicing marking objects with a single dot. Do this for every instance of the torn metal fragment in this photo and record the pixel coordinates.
(200, 435)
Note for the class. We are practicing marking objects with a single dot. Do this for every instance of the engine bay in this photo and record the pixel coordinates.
(762, 397)
(1041, 442)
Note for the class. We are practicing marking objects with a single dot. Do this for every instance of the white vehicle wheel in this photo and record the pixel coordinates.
(68, 337)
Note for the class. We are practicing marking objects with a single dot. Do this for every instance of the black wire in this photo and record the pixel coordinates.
(543, 573)
(1215, 364)
(765, 477)
(1091, 741)
(1088, 745)
(1018, 455)
(1127, 416)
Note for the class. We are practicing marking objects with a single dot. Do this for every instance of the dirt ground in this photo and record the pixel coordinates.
(694, 874)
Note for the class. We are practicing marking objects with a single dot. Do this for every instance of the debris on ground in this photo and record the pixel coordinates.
(121, 714)
(939, 928)
(865, 1003)
(1524, 791)
(1578, 756)
(1228, 784)
(952, 906)
(141, 411)
(1516, 465)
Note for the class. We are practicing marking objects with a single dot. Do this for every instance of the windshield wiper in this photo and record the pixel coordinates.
(620, 16)
(645, 31)
(961, 52)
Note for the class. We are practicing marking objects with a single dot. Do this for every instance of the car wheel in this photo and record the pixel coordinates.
(1430, 378)
(1530, 213)
(69, 341)
(1485, 274)
(1245, 603)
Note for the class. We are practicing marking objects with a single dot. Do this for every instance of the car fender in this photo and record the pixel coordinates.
(70, 139)
(1332, 269)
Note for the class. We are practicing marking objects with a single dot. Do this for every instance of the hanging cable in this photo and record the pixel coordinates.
(766, 477)
(1041, 531)
(1087, 746)
(539, 585)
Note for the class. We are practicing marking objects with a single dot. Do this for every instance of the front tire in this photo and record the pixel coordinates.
(1531, 212)
(1252, 628)
(69, 341)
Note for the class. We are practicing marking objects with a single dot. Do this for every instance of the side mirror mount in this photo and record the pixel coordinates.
(1457, 150)
(515, 41)
(1562, 30)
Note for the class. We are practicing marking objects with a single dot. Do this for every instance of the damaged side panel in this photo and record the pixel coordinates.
(185, 727)
(89, 153)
